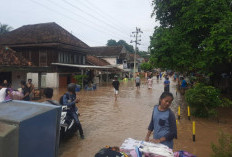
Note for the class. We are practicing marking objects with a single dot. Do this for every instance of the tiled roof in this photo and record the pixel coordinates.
(96, 61)
(40, 34)
(106, 51)
(9, 57)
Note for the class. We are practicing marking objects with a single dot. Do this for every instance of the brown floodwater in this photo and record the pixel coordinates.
(109, 122)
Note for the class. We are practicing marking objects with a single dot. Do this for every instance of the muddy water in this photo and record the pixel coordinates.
(106, 122)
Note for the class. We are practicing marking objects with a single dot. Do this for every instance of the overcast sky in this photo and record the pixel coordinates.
(92, 21)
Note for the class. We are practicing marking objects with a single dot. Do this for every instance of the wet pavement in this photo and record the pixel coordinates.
(106, 122)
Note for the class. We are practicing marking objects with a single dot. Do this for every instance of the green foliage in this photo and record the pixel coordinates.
(79, 78)
(146, 66)
(111, 42)
(224, 147)
(128, 47)
(143, 54)
(226, 103)
(194, 35)
(204, 99)
(166, 54)
(4, 28)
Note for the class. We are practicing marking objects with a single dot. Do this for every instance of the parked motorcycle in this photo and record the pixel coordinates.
(67, 124)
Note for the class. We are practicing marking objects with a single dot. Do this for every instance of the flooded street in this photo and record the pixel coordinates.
(106, 122)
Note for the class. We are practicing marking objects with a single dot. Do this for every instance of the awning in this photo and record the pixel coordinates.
(85, 66)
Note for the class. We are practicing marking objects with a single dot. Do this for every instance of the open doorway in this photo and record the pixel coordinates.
(6, 76)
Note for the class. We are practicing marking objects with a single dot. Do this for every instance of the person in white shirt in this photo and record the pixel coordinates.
(2, 92)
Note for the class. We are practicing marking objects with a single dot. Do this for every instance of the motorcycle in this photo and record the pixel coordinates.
(67, 124)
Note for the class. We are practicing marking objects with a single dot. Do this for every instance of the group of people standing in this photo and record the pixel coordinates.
(149, 81)
(26, 91)
(162, 124)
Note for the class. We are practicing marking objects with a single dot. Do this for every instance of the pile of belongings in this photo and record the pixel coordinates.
(135, 148)
(110, 152)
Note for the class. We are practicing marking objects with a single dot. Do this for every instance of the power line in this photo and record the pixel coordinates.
(74, 6)
(100, 12)
(94, 28)
(79, 16)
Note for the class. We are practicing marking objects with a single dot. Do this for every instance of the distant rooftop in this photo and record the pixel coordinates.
(105, 51)
(96, 61)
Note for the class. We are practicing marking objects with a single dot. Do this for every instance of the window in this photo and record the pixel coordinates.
(42, 59)
(75, 59)
(66, 58)
(70, 58)
(83, 59)
(79, 60)
(60, 57)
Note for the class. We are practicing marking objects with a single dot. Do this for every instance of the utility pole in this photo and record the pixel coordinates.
(136, 43)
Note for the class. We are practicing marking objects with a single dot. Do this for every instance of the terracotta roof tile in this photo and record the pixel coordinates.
(96, 61)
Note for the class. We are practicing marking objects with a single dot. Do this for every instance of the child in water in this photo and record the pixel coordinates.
(163, 122)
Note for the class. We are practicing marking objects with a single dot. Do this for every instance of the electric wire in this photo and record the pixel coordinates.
(82, 17)
(70, 18)
(101, 13)
(78, 8)
(94, 28)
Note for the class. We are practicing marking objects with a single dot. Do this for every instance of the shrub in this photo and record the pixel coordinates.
(204, 99)
(146, 66)
(224, 147)
(226, 102)
(79, 78)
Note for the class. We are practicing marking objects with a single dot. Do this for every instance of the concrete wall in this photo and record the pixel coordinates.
(120, 66)
(47, 80)
(52, 80)
(16, 78)
(112, 61)
(34, 77)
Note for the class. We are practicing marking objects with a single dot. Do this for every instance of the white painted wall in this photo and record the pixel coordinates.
(120, 66)
(96, 80)
(34, 77)
(47, 80)
(112, 61)
(52, 80)
(16, 79)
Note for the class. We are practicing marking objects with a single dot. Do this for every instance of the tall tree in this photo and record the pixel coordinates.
(128, 47)
(144, 54)
(4, 28)
(194, 35)
(111, 42)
